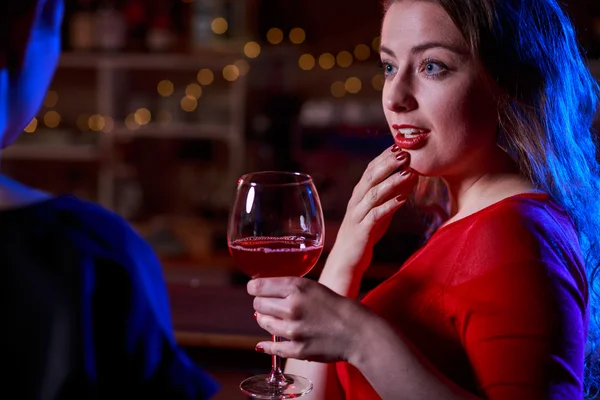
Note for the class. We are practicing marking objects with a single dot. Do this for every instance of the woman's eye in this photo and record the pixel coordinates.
(388, 69)
(433, 68)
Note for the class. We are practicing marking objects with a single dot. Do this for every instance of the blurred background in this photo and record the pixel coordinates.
(159, 105)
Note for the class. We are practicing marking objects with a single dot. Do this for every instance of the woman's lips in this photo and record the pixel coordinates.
(416, 139)
(412, 143)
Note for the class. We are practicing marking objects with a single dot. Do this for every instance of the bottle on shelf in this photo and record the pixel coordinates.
(81, 26)
(109, 27)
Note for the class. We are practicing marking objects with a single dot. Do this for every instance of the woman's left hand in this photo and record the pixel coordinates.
(319, 324)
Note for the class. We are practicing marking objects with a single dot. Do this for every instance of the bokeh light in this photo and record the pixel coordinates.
(51, 98)
(306, 62)
(275, 35)
(338, 89)
(52, 119)
(297, 35)
(326, 61)
(362, 52)
(378, 82)
(193, 90)
(252, 49)
(32, 126)
(165, 88)
(189, 104)
(344, 59)
(205, 77)
(231, 73)
(219, 25)
(353, 85)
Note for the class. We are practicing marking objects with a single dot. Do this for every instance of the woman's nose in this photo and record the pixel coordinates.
(398, 95)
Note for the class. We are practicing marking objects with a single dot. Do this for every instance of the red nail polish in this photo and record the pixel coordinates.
(259, 349)
(400, 198)
(395, 148)
(255, 315)
(401, 156)
(405, 173)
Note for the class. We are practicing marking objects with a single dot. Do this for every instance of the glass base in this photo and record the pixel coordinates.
(258, 387)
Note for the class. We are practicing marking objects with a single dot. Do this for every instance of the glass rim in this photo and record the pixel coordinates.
(246, 178)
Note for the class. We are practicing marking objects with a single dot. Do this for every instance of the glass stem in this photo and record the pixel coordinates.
(276, 376)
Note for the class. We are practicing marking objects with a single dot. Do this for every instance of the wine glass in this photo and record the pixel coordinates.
(276, 229)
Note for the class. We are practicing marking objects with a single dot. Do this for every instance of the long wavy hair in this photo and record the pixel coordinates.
(545, 118)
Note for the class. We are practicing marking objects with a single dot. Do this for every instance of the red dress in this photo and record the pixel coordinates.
(496, 302)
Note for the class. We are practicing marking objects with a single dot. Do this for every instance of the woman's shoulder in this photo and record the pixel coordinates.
(528, 214)
(530, 229)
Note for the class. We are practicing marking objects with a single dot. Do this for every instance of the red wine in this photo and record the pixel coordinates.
(261, 257)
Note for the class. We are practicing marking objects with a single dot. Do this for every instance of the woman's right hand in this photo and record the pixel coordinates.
(383, 188)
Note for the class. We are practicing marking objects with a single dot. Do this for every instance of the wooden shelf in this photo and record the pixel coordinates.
(203, 58)
(51, 152)
(178, 130)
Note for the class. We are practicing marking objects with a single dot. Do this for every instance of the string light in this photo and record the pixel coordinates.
(83, 122)
(378, 82)
(344, 59)
(376, 44)
(326, 61)
(165, 88)
(131, 123)
(32, 126)
(219, 25)
(52, 119)
(97, 122)
(338, 89)
(275, 36)
(362, 52)
(297, 35)
(109, 125)
(252, 49)
(142, 116)
(205, 77)
(353, 85)
(193, 90)
(306, 62)
(243, 66)
(189, 104)
(51, 98)
(231, 73)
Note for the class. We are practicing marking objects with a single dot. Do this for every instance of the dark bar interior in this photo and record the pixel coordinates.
(157, 107)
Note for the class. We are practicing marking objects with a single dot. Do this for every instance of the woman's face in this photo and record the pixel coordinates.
(437, 100)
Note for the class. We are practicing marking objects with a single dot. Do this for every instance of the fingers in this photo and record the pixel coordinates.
(279, 327)
(399, 184)
(290, 349)
(288, 308)
(380, 213)
(276, 287)
(283, 349)
(379, 169)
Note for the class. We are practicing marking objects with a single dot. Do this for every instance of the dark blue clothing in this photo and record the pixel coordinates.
(85, 310)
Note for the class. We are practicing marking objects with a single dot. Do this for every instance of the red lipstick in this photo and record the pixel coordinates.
(414, 142)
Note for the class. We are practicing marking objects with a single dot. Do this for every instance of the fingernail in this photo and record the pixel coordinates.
(395, 148)
(406, 172)
(255, 315)
(400, 198)
(401, 156)
(259, 348)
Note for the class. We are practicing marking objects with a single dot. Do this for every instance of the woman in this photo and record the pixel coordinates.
(493, 99)
(84, 305)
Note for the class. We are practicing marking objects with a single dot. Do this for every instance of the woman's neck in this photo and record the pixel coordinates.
(497, 178)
